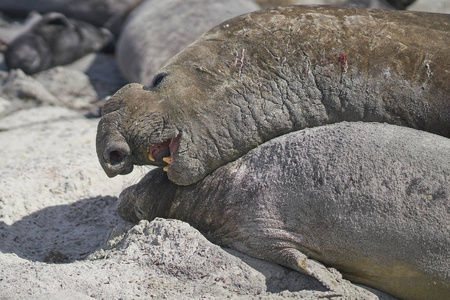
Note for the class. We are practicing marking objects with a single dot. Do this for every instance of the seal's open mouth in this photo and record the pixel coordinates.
(164, 151)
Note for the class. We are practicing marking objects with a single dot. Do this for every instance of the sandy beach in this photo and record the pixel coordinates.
(60, 236)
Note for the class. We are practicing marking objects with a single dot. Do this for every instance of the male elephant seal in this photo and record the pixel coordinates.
(275, 71)
(371, 200)
(54, 40)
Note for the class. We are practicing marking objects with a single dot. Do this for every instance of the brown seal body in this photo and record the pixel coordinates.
(274, 71)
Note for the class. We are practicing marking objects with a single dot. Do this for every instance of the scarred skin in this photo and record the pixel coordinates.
(371, 200)
(275, 71)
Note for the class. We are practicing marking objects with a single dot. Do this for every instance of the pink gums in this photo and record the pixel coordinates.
(165, 149)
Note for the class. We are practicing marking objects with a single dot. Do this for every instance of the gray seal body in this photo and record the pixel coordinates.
(157, 30)
(371, 200)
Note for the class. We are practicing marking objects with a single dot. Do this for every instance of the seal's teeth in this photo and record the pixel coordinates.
(150, 157)
(168, 159)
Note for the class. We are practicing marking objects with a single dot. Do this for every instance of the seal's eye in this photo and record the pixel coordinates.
(139, 213)
(157, 80)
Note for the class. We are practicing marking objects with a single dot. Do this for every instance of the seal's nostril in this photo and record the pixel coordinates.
(116, 157)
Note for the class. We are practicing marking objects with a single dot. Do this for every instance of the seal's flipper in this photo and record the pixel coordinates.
(294, 259)
(329, 277)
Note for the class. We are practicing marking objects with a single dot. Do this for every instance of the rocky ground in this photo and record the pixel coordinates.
(60, 237)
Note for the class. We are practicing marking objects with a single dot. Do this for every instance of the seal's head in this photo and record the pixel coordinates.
(177, 122)
(168, 124)
(138, 202)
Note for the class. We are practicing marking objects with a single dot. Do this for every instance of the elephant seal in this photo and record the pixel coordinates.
(369, 199)
(274, 71)
(157, 30)
(54, 40)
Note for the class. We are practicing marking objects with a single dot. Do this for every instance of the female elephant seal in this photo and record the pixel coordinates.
(371, 200)
(275, 71)
(157, 30)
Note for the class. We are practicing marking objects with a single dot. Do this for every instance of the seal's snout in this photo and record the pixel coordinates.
(116, 159)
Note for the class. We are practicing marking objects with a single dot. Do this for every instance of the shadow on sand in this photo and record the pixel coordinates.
(67, 233)
(63, 233)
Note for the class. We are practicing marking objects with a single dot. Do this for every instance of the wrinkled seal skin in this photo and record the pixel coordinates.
(371, 200)
(54, 40)
(275, 71)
